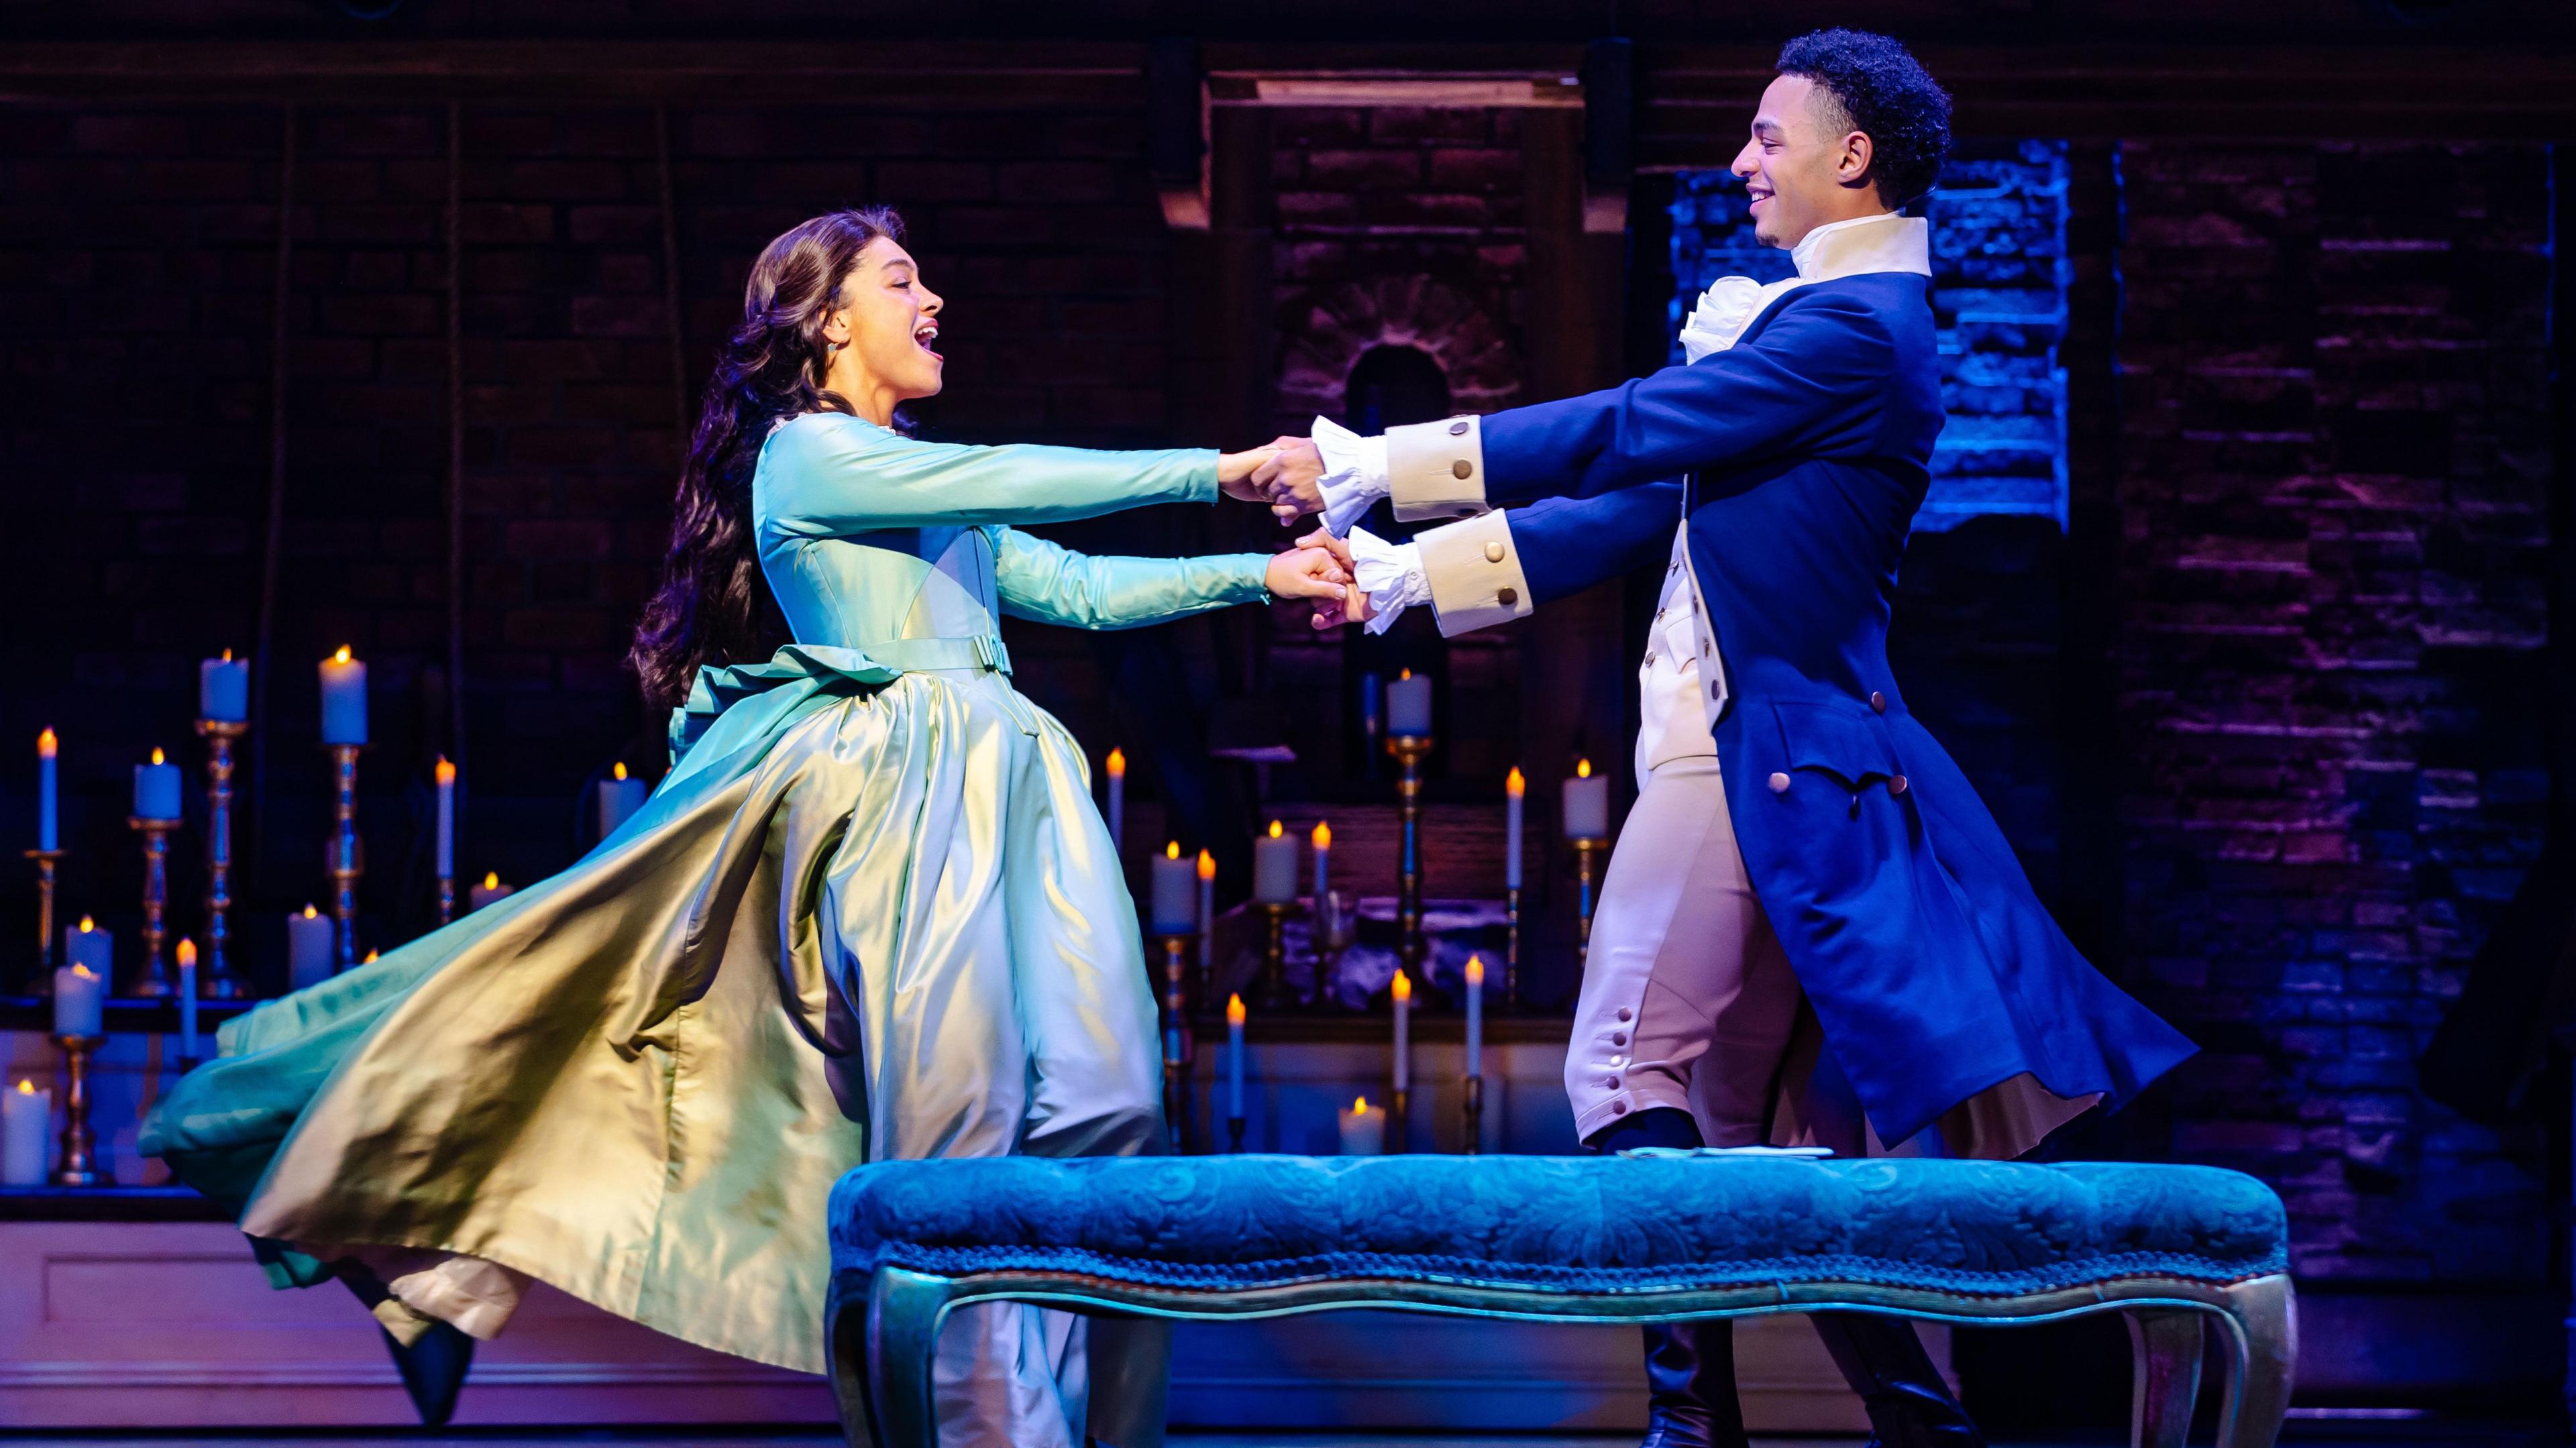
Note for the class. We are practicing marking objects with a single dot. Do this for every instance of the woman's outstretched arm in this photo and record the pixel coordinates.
(1053, 584)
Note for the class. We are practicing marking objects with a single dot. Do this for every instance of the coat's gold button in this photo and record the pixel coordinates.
(1779, 783)
(1878, 701)
(1493, 552)
(1507, 597)
(1458, 428)
(1461, 468)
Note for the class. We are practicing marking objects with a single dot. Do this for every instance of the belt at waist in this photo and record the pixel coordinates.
(983, 651)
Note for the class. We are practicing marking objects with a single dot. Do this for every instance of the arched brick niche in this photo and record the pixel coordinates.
(1329, 329)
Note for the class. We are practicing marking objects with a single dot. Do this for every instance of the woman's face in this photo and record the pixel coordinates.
(888, 326)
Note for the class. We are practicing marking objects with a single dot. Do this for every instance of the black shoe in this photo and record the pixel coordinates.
(1690, 1379)
(433, 1371)
(1909, 1405)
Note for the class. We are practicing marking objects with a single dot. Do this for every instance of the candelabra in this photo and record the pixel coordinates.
(1512, 948)
(80, 1167)
(1409, 751)
(347, 854)
(1474, 1110)
(1272, 993)
(45, 860)
(219, 983)
(1584, 847)
(155, 980)
(1178, 1049)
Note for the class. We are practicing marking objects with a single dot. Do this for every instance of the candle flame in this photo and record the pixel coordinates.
(342, 656)
(156, 756)
(187, 952)
(1117, 764)
(1323, 836)
(491, 881)
(1274, 829)
(26, 1087)
(1513, 784)
(1207, 866)
(371, 955)
(86, 926)
(1234, 1010)
(446, 770)
(45, 745)
(228, 656)
(1172, 851)
(1583, 769)
(308, 911)
(1403, 988)
(1360, 1106)
(1475, 970)
(1407, 674)
(621, 769)
(83, 972)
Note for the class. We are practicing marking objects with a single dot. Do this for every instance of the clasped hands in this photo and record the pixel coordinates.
(1287, 475)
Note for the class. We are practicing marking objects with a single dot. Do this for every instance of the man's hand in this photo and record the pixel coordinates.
(1311, 573)
(1354, 604)
(1292, 479)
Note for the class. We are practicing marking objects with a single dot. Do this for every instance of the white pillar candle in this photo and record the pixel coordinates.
(156, 789)
(311, 948)
(1408, 706)
(1175, 895)
(344, 699)
(80, 1002)
(1274, 868)
(1363, 1129)
(87, 945)
(187, 999)
(1117, 771)
(619, 799)
(446, 777)
(26, 1120)
(487, 891)
(1403, 993)
(1475, 1015)
(1207, 911)
(223, 689)
(1513, 788)
(1587, 804)
(1234, 1057)
(48, 799)
(1322, 839)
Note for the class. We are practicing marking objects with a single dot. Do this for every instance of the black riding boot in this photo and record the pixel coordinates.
(1909, 1405)
(1690, 1366)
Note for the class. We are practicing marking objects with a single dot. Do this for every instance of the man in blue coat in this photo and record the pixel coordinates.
(1812, 932)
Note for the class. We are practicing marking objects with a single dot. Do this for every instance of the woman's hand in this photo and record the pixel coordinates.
(1311, 573)
(1354, 605)
(1234, 471)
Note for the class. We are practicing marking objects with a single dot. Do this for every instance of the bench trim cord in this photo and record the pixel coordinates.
(879, 1329)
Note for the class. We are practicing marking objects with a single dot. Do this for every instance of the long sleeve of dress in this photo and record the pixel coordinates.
(830, 475)
(1053, 584)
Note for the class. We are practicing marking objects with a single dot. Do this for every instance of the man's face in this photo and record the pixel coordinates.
(1801, 166)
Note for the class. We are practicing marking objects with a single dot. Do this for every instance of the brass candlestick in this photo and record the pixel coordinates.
(1178, 1049)
(219, 983)
(347, 857)
(1409, 751)
(80, 1168)
(45, 860)
(1584, 845)
(1474, 1108)
(1273, 991)
(446, 899)
(1512, 949)
(155, 981)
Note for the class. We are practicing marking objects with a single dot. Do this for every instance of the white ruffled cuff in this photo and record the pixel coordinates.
(1355, 475)
(1390, 574)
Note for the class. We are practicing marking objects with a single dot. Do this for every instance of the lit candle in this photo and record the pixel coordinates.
(1513, 788)
(1175, 894)
(1274, 868)
(344, 699)
(48, 802)
(1322, 839)
(1118, 800)
(1403, 1030)
(1475, 1015)
(80, 1002)
(1234, 1057)
(26, 1119)
(1408, 706)
(446, 776)
(1587, 804)
(156, 789)
(619, 799)
(187, 999)
(1363, 1129)
(311, 949)
(87, 945)
(491, 889)
(1207, 911)
(223, 689)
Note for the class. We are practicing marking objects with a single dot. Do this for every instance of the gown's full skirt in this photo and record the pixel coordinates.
(869, 915)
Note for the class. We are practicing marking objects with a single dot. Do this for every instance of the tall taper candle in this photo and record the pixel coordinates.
(48, 800)
(187, 999)
(156, 789)
(1207, 913)
(1513, 788)
(446, 777)
(1234, 1057)
(26, 1119)
(344, 699)
(1408, 706)
(1475, 1015)
(1322, 839)
(1274, 868)
(1117, 771)
(223, 689)
(619, 799)
(312, 948)
(1175, 895)
(1403, 993)
(1587, 804)
(80, 1002)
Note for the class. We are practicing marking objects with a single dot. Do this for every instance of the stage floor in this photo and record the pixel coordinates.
(2309, 1433)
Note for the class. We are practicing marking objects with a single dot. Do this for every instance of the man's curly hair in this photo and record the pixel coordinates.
(1885, 93)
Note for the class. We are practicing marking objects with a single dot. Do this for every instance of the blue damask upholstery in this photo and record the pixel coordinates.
(1226, 1223)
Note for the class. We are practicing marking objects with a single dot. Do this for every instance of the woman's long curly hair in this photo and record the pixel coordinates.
(713, 606)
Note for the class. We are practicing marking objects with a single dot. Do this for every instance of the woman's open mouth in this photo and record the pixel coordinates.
(926, 336)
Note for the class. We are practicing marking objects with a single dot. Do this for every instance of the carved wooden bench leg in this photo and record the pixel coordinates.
(881, 1333)
(2165, 1346)
(2263, 1320)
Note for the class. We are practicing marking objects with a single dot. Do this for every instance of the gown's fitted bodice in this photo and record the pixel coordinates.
(874, 541)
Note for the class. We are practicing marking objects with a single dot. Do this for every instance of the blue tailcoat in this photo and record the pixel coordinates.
(1804, 451)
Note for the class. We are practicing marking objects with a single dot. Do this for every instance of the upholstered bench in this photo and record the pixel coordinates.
(1567, 1239)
